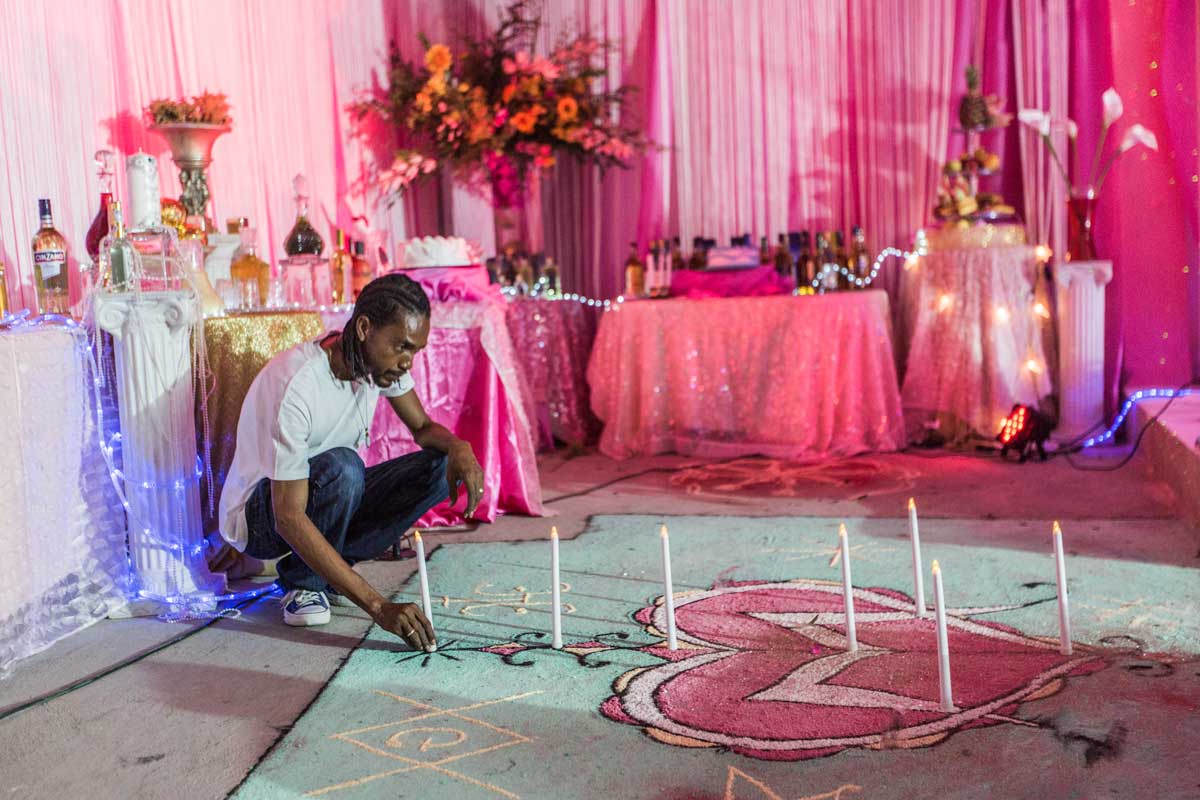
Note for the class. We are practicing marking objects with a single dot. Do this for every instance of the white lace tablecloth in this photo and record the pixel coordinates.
(787, 377)
(976, 344)
(62, 529)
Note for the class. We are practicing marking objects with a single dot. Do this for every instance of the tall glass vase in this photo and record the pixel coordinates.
(518, 216)
(1081, 214)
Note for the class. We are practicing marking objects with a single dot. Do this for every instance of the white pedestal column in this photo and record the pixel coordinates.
(152, 339)
(1079, 291)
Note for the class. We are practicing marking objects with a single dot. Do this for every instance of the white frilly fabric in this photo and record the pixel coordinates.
(62, 527)
(976, 342)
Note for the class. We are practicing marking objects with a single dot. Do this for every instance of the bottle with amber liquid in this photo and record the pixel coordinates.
(340, 267)
(248, 268)
(783, 257)
(3, 291)
(635, 273)
(360, 269)
(50, 272)
(303, 239)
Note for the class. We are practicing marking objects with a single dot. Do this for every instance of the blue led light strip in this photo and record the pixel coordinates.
(1125, 409)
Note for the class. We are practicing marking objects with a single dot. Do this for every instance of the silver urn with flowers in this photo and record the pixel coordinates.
(191, 128)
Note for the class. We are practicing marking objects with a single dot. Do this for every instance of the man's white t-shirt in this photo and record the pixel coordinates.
(295, 410)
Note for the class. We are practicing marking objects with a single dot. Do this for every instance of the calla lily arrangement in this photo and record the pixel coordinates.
(1113, 109)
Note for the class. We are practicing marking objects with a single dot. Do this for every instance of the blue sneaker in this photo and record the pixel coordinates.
(302, 607)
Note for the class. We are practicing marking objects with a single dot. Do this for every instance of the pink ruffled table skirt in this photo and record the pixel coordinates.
(469, 380)
(787, 377)
(976, 343)
(553, 339)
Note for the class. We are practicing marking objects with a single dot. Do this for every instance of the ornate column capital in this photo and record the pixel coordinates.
(174, 310)
(1069, 272)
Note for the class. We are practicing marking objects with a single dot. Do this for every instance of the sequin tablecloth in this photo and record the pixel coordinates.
(62, 528)
(976, 344)
(469, 380)
(787, 377)
(239, 346)
(553, 339)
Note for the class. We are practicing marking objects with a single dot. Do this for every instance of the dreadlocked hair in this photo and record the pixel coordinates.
(382, 301)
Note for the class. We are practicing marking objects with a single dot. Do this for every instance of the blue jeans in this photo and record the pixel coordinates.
(361, 511)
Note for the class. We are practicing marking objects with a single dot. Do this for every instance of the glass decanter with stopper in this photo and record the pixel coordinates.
(119, 269)
(100, 225)
(303, 239)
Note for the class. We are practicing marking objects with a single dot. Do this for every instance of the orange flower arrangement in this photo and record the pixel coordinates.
(497, 110)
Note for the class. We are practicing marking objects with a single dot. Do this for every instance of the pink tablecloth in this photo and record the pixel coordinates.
(788, 377)
(976, 344)
(755, 282)
(468, 380)
(553, 339)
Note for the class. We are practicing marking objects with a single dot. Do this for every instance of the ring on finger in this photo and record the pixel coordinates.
(408, 632)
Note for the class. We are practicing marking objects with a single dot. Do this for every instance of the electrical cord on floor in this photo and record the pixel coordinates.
(42, 699)
(1066, 453)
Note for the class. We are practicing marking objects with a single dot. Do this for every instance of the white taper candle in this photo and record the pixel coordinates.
(1064, 609)
(848, 588)
(668, 592)
(914, 533)
(556, 618)
(943, 641)
(423, 577)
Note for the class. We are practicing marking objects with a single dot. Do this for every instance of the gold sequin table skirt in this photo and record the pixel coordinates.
(239, 346)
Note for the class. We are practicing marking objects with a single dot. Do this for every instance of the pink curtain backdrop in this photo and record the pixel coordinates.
(774, 115)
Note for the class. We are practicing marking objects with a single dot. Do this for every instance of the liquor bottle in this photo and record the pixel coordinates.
(843, 259)
(635, 273)
(3, 291)
(248, 269)
(360, 269)
(806, 263)
(118, 257)
(50, 273)
(652, 280)
(303, 239)
(783, 257)
(340, 267)
(699, 255)
(677, 262)
(99, 228)
(830, 268)
(764, 252)
(860, 256)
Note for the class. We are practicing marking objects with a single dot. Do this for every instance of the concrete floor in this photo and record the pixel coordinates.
(192, 719)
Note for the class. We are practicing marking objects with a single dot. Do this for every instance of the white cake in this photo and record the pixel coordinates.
(438, 251)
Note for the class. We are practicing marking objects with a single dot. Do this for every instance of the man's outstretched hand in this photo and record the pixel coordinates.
(461, 467)
(406, 621)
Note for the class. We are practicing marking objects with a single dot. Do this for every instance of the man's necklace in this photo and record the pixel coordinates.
(365, 417)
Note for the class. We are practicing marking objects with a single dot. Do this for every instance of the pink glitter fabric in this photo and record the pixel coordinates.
(469, 380)
(553, 339)
(730, 283)
(786, 377)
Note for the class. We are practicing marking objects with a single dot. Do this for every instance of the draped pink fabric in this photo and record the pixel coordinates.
(730, 283)
(773, 115)
(787, 377)
(469, 380)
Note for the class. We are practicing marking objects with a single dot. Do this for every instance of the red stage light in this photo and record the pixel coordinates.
(1023, 429)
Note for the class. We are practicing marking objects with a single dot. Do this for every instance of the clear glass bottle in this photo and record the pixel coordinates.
(341, 265)
(50, 270)
(250, 270)
(860, 257)
(303, 239)
(118, 265)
